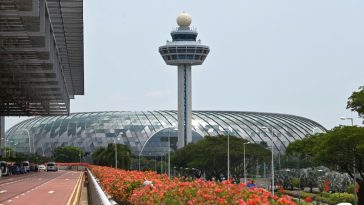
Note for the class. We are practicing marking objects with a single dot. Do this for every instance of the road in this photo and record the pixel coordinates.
(54, 188)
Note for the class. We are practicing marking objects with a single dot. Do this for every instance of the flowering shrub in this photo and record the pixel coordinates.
(125, 187)
(72, 164)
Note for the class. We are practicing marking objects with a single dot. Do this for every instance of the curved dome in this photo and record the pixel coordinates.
(90, 130)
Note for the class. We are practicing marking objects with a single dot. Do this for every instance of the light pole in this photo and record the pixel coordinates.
(169, 151)
(228, 156)
(116, 153)
(354, 163)
(139, 161)
(228, 150)
(244, 162)
(348, 118)
(272, 136)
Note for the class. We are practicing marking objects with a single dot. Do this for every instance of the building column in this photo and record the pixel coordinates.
(184, 106)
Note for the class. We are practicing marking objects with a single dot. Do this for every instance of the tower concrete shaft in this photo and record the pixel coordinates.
(184, 105)
(184, 52)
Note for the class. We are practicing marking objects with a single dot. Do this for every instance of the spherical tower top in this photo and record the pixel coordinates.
(184, 19)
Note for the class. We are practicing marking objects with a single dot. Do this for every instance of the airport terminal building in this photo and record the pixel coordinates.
(149, 133)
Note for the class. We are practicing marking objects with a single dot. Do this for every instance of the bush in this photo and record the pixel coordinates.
(350, 189)
(342, 197)
(296, 182)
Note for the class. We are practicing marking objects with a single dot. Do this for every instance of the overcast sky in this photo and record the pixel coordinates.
(295, 57)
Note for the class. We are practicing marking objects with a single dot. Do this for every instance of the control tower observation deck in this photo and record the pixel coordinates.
(184, 51)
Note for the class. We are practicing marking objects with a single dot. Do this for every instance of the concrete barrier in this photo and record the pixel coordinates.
(96, 195)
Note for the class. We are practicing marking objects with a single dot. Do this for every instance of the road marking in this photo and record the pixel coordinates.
(50, 192)
(3, 191)
(74, 189)
(10, 200)
(78, 191)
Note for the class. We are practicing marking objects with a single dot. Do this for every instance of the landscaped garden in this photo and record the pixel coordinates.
(126, 187)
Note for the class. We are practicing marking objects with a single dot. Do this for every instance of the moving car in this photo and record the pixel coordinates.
(4, 168)
(26, 166)
(52, 166)
(42, 167)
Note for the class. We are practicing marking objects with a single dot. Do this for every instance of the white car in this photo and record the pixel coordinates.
(42, 167)
(26, 166)
(52, 166)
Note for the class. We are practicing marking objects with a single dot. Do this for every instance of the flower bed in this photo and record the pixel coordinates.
(125, 187)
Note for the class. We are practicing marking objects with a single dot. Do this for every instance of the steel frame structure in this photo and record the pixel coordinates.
(41, 56)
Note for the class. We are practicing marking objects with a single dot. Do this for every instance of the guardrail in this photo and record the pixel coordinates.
(96, 195)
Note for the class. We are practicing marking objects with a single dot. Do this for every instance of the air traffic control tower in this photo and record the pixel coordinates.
(184, 52)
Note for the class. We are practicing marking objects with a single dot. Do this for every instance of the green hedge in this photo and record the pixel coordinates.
(342, 197)
(323, 197)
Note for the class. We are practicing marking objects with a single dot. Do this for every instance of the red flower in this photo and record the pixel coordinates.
(308, 200)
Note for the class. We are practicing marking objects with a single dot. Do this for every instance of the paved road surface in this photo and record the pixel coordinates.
(41, 188)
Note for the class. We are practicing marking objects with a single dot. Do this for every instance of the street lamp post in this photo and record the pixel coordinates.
(116, 153)
(139, 161)
(228, 156)
(228, 150)
(244, 162)
(272, 150)
(354, 163)
(169, 151)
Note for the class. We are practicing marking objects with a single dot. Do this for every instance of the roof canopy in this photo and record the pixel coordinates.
(41, 56)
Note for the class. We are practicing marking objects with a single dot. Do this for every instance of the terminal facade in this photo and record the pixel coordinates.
(149, 133)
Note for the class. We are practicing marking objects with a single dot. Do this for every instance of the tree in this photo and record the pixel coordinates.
(105, 156)
(67, 154)
(209, 155)
(356, 101)
(341, 147)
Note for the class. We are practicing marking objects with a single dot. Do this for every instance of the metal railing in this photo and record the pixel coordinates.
(96, 195)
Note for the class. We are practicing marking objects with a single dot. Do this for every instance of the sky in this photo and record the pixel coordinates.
(296, 57)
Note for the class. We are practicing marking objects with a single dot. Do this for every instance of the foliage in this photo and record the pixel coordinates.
(125, 188)
(67, 154)
(209, 155)
(12, 156)
(324, 197)
(356, 101)
(106, 156)
(338, 149)
(342, 197)
(296, 182)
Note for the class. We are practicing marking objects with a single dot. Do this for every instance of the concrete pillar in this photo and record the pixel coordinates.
(184, 106)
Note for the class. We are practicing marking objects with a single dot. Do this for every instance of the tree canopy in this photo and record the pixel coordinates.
(67, 154)
(340, 148)
(210, 156)
(356, 101)
(105, 156)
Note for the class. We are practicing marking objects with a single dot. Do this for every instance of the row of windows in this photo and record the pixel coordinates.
(166, 50)
(184, 37)
(184, 57)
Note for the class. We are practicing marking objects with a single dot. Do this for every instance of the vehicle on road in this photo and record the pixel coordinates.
(52, 166)
(42, 167)
(26, 166)
(4, 168)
